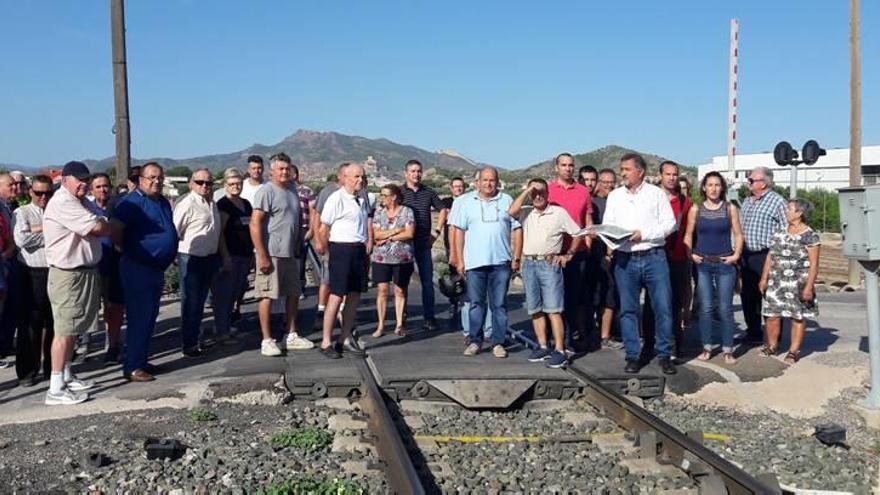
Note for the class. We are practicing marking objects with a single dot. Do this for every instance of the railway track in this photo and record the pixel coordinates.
(656, 438)
(713, 473)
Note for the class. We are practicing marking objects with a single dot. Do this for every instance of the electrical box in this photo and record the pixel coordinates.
(860, 222)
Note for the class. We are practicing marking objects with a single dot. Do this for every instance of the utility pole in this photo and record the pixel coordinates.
(855, 115)
(121, 126)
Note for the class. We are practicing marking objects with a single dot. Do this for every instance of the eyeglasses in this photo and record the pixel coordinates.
(233, 184)
(752, 181)
(41, 194)
(155, 178)
(17, 182)
(202, 182)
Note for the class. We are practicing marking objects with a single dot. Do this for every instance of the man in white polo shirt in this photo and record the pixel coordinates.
(72, 235)
(640, 261)
(344, 220)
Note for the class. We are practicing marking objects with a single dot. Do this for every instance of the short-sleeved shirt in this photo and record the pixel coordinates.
(761, 218)
(325, 193)
(393, 252)
(543, 231)
(237, 233)
(249, 191)
(421, 200)
(347, 215)
(487, 227)
(67, 226)
(150, 238)
(197, 221)
(306, 203)
(281, 222)
(574, 199)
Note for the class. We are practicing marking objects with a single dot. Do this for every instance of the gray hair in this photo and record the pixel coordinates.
(231, 172)
(804, 207)
(203, 169)
(768, 174)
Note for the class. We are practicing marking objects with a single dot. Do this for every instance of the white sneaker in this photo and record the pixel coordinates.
(77, 385)
(269, 348)
(294, 342)
(65, 397)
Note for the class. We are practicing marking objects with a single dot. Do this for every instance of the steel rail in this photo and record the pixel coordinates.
(677, 448)
(398, 466)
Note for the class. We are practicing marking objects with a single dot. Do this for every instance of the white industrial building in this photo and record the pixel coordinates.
(830, 172)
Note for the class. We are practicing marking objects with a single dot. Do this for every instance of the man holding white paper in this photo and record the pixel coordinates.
(640, 261)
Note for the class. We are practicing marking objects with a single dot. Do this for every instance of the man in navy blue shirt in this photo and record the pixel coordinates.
(144, 231)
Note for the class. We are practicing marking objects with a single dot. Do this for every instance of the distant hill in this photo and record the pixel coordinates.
(605, 157)
(317, 153)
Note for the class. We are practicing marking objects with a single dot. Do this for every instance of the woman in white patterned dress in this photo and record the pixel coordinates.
(789, 278)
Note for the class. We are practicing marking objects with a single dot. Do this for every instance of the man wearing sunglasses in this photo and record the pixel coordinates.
(763, 213)
(143, 230)
(33, 349)
(197, 221)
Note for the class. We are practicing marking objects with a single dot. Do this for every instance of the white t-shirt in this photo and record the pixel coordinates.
(347, 215)
(248, 191)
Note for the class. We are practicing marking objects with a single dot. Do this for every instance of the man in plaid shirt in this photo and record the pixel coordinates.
(763, 213)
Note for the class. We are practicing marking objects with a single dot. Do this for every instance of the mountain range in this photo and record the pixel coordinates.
(317, 153)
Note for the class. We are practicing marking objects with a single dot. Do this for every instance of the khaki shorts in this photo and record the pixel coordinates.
(283, 281)
(76, 297)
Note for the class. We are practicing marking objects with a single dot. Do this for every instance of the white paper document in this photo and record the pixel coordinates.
(612, 235)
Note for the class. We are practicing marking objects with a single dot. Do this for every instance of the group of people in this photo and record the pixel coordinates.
(68, 250)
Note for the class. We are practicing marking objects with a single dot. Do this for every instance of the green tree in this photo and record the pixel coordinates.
(179, 171)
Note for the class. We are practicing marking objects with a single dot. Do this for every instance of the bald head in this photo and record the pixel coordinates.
(488, 183)
(353, 178)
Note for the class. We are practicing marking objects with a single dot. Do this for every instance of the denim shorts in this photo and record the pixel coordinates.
(544, 286)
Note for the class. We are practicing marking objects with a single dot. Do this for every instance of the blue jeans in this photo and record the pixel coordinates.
(631, 273)
(716, 282)
(143, 287)
(466, 321)
(544, 286)
(422, 255)
(196, 275)
(227, 288)
(487, 286)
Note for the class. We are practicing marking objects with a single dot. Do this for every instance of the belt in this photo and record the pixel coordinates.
(351, 244)
(539, 257)
(760, 251)
(77, 269)
(711, 258)
(639, 254)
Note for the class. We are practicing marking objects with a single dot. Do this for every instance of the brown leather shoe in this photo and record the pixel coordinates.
(140, 376)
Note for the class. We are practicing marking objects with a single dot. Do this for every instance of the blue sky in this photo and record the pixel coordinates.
(509, 83)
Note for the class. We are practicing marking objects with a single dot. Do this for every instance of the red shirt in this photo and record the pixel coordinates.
(675, 248)
(574, 199)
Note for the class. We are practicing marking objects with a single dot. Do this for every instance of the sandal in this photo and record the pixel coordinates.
(728, 358)
(767, 351)
(400, 331)
(378, 333)
(792, 357)
(705, 356)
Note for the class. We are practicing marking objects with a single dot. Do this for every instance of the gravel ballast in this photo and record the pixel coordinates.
(782, 445)
(522, 467)
(231, 454)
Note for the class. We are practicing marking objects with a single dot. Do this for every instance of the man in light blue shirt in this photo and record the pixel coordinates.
(484, 254)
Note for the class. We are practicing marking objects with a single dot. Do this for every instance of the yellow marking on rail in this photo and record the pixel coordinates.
(716, 436)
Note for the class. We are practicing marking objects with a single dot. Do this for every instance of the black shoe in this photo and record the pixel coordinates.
(632, 366)
(667, 366)
(353, 347)
(430, 324)
(330, 352)
(195, 352)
